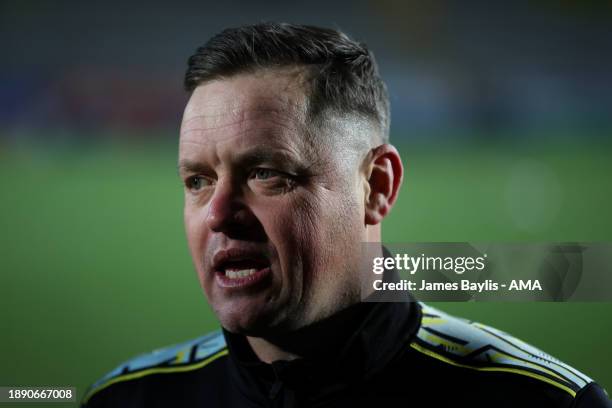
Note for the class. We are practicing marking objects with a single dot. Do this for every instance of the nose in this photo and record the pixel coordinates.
(227, 209)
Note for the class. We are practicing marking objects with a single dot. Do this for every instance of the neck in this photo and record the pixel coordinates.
(269, 352)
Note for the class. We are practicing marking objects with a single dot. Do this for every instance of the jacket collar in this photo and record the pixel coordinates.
(349, 347)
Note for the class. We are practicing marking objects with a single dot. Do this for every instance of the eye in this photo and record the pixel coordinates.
(197, 183)
(265, 174)
(269, 181)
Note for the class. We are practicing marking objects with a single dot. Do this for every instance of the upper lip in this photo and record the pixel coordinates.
(224, 256)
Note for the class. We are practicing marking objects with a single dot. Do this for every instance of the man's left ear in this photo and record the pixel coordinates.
(384, 174)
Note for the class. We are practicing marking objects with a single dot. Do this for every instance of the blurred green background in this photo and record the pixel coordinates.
(501, 111)
(95, 267)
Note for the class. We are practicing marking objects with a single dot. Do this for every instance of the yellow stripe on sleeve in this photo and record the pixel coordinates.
(447, 360)
(156, 370)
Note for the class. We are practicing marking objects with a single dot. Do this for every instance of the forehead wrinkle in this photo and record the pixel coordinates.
(244, 116)
(278, 103)
(245, 107)
(259, 103)
(240, 118)
(272, 133)
(266, 139)
(244, 113)
(260, 140)
(279, 125)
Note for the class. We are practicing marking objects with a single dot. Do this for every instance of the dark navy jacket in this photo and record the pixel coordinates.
(371, 354)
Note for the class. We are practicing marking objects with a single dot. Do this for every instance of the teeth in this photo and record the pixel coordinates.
(239, 273)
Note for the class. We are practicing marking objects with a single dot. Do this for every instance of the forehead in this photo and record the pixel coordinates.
(266, 108)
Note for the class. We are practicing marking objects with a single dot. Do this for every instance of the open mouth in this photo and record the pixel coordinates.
(233, 269)
(239, 273)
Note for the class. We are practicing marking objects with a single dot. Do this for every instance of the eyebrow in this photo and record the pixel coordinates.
(191, 166)
(251, 157)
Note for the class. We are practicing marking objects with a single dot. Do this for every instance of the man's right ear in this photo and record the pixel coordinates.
(384, 173)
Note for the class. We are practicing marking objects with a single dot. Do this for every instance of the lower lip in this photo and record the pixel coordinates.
(244, 282)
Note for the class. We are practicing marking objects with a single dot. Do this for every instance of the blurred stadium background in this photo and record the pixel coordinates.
(502, 114)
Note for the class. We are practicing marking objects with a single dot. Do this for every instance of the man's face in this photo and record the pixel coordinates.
(273, 214)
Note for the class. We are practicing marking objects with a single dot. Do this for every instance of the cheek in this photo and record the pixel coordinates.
(307, 225)
(282, 222)
(333, 230)
(195, 234)
(292, 227)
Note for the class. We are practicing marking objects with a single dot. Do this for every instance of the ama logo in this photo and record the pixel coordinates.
(520, 284)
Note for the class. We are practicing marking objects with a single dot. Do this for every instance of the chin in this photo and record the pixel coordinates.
(248, 324)
(251, 329)
(255, 324)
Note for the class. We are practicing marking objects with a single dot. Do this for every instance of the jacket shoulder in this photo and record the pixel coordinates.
(462, 343)
(182, 357)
